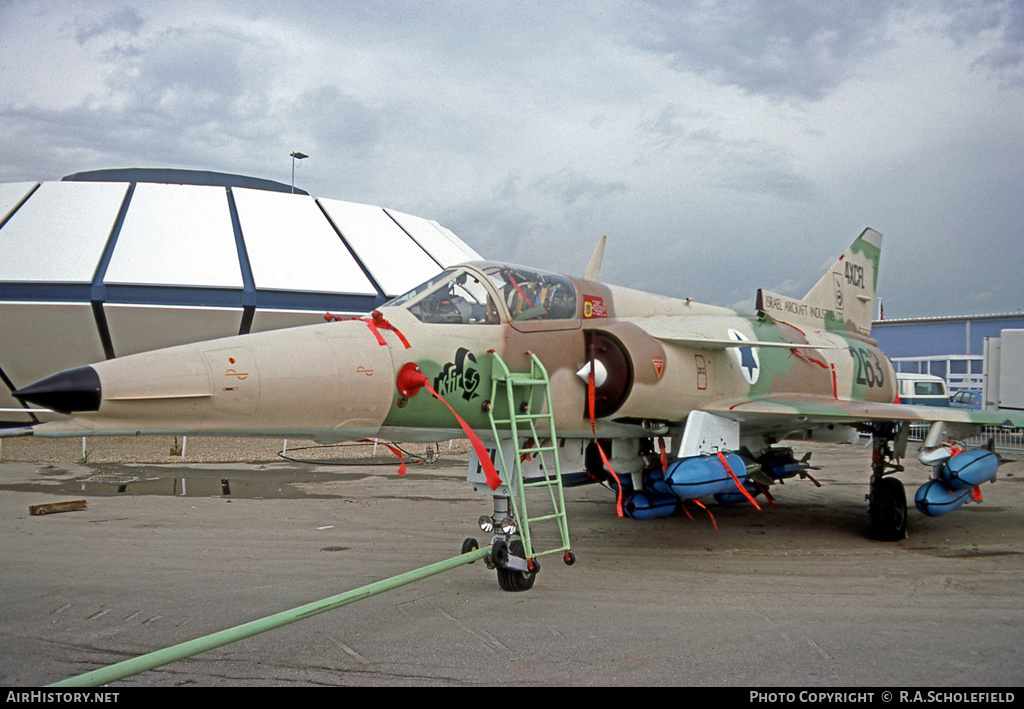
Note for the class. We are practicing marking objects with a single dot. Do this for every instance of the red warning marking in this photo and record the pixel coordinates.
(593, 307)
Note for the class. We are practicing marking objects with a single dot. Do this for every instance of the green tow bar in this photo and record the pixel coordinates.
(120, 670)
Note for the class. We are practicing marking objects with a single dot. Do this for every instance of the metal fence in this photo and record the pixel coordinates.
(1005, 438)
(959, 371)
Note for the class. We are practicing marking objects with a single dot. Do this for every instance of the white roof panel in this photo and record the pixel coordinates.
(292, 246)
(11, 194)
(177, 235)
(60, 232)
(434, 241)
(394, 260)
(470, 251)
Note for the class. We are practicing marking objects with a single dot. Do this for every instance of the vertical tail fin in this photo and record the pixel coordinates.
(843, 299)
(594, 267)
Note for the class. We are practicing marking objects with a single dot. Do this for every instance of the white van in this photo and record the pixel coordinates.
(922, 389)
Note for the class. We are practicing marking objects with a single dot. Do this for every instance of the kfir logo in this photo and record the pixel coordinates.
(459, 377)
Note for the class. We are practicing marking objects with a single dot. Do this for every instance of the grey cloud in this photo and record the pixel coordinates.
(128, 21)
(537, 221)
(784, 185)
(569, 187)
(748, 166)
(1002, 18)
(798, 49)
(187, 75)
(173, 98)
(338, 122)
(499, 231)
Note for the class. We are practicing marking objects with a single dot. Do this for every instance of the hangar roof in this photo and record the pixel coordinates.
(185, 237)
(174, 176)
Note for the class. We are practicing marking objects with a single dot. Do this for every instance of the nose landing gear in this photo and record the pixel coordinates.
(509, 560)
(508, 557)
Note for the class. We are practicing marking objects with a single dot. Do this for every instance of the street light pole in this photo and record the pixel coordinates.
(296, 156)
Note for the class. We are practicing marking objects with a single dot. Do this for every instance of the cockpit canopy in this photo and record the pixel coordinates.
(489, 293)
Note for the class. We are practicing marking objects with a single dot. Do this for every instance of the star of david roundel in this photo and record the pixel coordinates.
(746, 357)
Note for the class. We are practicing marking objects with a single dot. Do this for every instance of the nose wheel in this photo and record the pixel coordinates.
(509, 559)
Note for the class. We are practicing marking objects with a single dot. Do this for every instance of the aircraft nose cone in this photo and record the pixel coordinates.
(65, 392)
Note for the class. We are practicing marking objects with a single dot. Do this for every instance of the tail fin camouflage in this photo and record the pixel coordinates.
(842, 300)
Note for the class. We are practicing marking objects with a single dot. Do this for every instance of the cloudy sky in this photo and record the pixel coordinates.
(721, 146)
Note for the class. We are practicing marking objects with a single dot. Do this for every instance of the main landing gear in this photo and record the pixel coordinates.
(887, 499)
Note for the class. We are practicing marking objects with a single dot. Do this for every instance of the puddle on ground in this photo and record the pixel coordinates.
(184, 487)
(256, 482)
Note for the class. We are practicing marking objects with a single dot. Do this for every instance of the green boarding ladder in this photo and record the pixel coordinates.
(520, 393)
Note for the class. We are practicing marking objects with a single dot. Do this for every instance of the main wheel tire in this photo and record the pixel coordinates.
(888, 510)
(513, 580)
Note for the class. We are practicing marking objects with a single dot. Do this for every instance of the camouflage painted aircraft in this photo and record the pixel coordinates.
(665, 401)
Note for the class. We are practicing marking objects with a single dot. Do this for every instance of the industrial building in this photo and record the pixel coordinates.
(963, 350)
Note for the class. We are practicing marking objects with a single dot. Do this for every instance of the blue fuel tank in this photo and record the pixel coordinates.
(969, 469)
(648, 505)
(736, 498)
(653, 500)
(935, 498)
(698, 476)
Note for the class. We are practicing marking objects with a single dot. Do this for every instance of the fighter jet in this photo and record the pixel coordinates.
(557, 379)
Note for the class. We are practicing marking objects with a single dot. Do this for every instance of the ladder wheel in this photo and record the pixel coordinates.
(512, 580)
(569, 558)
